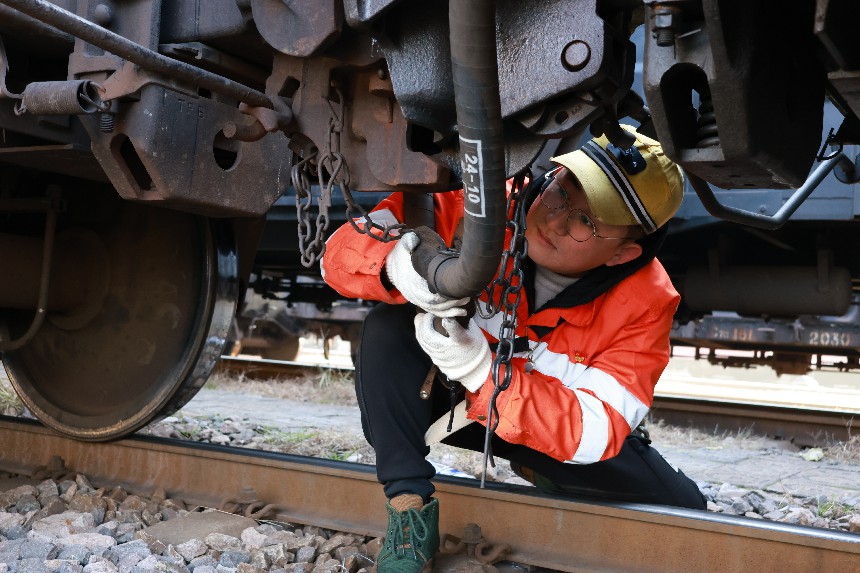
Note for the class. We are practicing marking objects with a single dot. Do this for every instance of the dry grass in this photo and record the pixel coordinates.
(663, 433)
(834, 509)
(10, 403)
(845, 451)
(321, 444)
(327, 386)
(320, 386)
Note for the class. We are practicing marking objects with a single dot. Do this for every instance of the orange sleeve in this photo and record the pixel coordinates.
(352, 262)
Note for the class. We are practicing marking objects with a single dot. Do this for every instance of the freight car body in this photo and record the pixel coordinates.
(287, 301)
(144, 141)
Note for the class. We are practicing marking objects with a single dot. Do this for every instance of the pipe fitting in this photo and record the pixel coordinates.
(75, 97)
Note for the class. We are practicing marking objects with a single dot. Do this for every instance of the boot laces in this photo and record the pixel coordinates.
(406, 534)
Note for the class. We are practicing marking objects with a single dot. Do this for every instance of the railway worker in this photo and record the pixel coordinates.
(593, 339)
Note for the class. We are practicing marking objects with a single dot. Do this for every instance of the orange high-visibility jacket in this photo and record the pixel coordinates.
(594, 372)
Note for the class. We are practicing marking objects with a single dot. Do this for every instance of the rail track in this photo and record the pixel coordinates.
(543, 531)
(802, 426)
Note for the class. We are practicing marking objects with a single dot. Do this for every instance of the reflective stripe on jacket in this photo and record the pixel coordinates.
(594, 372)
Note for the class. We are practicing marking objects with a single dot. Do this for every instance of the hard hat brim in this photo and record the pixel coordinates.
(603, 198)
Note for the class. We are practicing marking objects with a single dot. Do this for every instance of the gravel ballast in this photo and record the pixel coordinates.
(73, 527)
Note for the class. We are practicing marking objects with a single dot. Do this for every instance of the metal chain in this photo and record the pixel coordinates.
(331, 171)
(332, 163)
(301, 175)
(335, 163)
(508, 284)
(354, 211)
(385, 234)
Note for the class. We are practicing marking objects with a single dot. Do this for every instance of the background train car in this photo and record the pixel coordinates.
(144, 142)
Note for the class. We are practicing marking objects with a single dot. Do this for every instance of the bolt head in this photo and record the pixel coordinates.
(576, 55)
(102, 15)
(665, 20)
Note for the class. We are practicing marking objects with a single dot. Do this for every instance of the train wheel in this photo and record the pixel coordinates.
(162, 293)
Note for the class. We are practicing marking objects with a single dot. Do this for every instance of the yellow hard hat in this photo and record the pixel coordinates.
(639, 186)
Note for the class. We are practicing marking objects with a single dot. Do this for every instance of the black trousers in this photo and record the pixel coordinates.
(390, 370)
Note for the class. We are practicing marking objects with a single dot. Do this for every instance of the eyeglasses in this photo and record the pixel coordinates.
(580, 227)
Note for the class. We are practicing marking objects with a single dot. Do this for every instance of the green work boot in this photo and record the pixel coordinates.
(411, 540)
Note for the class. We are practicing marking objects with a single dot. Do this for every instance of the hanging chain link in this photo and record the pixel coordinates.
(331, 170)
(384, 234)
(301, 175)
(508, 284)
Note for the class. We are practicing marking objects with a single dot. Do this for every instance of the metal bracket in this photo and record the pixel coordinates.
(4, 69)
(52, 206)
(94, 34)
(839, 162)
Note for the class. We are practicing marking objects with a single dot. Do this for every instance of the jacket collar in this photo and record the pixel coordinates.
(578, 303)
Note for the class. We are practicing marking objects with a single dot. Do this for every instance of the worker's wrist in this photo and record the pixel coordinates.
(386, 282)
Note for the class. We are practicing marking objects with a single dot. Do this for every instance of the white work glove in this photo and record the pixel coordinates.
(401, 273)
(463, 355)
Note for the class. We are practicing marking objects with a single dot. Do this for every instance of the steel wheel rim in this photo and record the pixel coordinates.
(164, 367)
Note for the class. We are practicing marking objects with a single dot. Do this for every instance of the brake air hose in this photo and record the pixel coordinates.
(482, 153)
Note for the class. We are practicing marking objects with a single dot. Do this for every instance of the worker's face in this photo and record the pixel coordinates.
(549, 230)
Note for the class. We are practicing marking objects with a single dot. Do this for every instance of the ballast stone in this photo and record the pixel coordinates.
(192, 549)
(65, 523)
(222, 542)
(253, 538)
(8, 521)
(232, 558)
(38, 550)
(199, 525)
(135, 548)
(306, 554)
(76, 553)
(202, 563)
(100, 567)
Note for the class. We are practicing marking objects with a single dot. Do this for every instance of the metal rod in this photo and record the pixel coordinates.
(27, 205)
(44, 283)
(768, 222)
(70, 23)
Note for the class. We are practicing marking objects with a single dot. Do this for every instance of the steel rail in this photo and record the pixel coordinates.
(544, 531)
(803, 426)
(265, 368)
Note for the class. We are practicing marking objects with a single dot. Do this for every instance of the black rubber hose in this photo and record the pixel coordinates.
(482, 153)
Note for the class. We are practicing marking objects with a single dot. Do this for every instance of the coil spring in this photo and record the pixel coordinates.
(106, 122)
(706, 126)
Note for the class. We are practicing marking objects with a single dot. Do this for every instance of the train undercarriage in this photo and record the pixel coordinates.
(145, 142)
